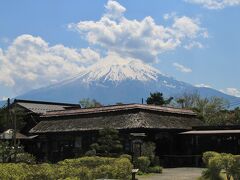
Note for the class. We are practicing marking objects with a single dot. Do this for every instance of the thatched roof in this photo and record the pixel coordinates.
(41, 107)
(116, 108)
(117, 117)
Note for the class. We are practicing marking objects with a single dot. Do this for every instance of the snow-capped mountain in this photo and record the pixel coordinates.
(111, 81)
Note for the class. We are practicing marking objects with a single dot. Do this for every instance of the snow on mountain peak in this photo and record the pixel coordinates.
(118, 69)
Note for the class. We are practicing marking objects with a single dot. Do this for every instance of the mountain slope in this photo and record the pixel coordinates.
(111, 81)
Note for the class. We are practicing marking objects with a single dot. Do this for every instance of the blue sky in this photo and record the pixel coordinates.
(43, 42)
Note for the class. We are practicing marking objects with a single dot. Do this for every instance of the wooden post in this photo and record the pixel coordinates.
(15, 132)
(196, 151)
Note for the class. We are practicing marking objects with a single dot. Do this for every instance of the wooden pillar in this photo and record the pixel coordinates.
(196, 151)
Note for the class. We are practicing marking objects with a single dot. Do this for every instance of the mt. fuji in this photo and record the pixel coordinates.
(112, 80)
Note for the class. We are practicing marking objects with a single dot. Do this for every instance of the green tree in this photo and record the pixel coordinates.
(158, 99)
(89, 103)
(210, 110)
(108, 143)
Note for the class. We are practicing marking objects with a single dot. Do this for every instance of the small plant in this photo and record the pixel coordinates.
(155, 169)
(143, 163)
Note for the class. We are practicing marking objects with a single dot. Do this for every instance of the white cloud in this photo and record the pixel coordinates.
(140, 39)
(215, 4)
(182, 68)
(168, 16)
(203, 85)
(193, 44)
(29, 62)
(232, 91)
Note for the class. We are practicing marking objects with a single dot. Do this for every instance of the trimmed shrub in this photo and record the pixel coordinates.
(13, 171)
(143, 163)
(68, 172)
(207, 155)
(155, 169)
(104, 172)
(89, 162)
(26, 158)
(86, 168)
(42, 171)
(236, 171)
(122, 168)
(214, 168)
(126, 156)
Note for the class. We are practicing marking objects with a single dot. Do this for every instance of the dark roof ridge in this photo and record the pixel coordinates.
(113, 108)
(44, 102)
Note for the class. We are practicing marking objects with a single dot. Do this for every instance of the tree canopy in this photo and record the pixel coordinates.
(157, 98)
(89, 103)
(212, 111)
(108, 142)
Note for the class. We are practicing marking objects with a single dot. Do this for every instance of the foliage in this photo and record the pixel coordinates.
(155, 169)
(158, 99)
(108, 143)
(216, 162)
(89, 103)
(143, 163)
(7, 151)
(91, 152)
(25, 158)
(213, 169)
(90, 162)
(126, 156)
(148, 150)
(210, 110)
(86, 168)
(13, 171)
(208, 155)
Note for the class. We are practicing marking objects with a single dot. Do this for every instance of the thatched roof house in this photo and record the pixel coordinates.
(41, 107)
(128, 116)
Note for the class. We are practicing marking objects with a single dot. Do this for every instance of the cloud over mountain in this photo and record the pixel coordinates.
(182, 68)
(29, 62)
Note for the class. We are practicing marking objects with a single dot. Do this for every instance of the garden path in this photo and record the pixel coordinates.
(175, 174)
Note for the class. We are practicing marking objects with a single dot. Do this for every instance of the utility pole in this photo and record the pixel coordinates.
(12, 116)
(14, 131)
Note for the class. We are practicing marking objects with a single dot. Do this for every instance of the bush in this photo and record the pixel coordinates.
(13, 171)
(122, 168)
(66, 172)
(214, 168)
(148, 150)
(155, 169)
(126, 156)
(26, 158)
(143, 163)
(86, 168)
(230, 164)
(207, 155)
(89, 162)
(104, 172)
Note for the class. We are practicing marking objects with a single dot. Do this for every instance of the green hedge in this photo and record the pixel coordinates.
(85, 168)
(217, 163)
